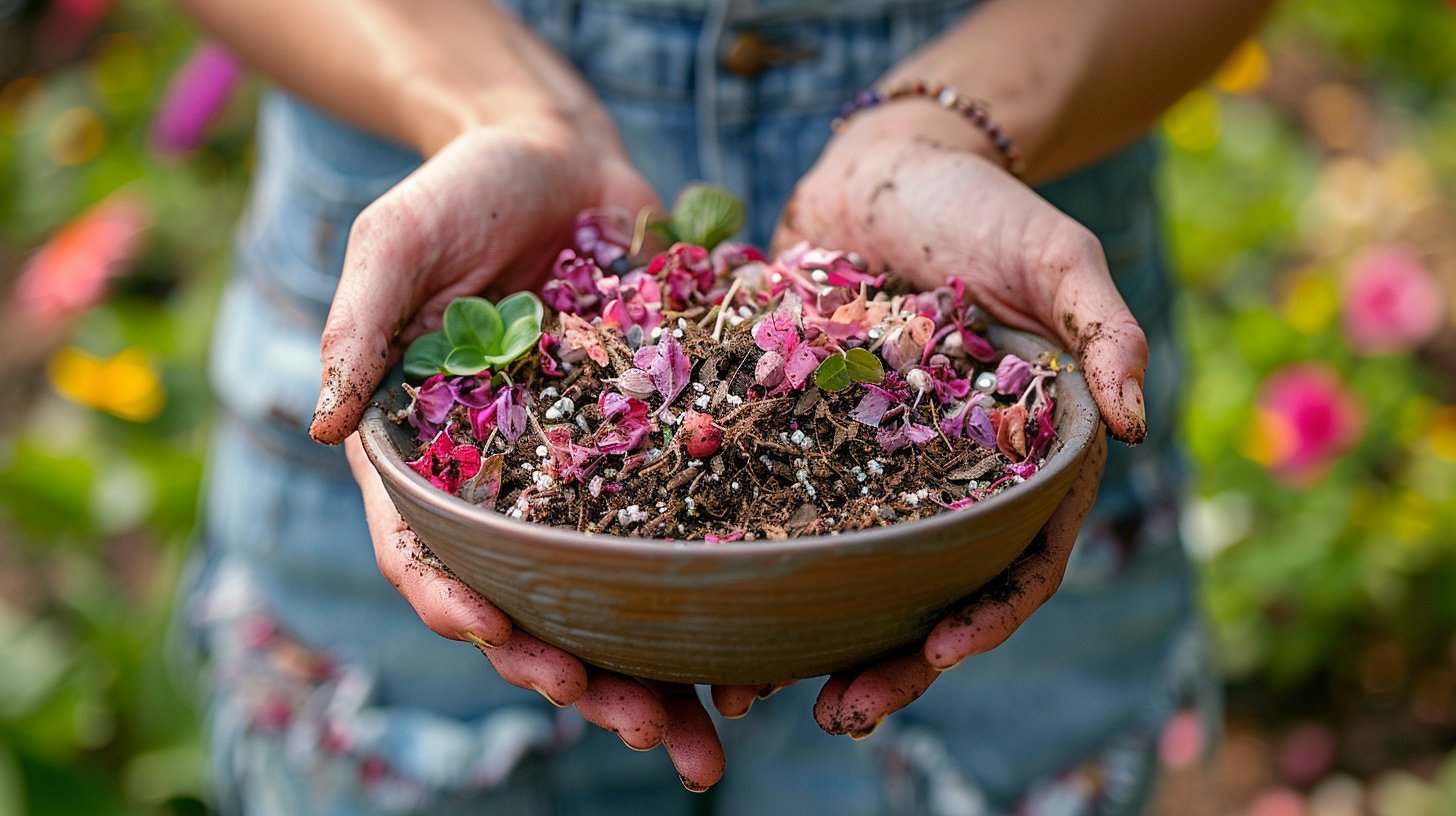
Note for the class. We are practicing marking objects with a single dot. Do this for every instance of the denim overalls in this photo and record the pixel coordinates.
(330, 697)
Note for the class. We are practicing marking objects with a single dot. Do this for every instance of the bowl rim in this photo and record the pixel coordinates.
(390, 463)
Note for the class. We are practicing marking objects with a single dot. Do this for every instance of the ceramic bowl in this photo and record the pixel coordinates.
(743, 612)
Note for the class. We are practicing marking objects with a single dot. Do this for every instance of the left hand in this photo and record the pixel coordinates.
(919, 191)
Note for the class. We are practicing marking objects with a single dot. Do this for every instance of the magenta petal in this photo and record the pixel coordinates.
(777, 332)
(919, 434)
(800, 365)
(977, 346)
(769, 371)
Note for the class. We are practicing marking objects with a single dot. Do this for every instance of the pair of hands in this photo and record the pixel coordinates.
(484, 214)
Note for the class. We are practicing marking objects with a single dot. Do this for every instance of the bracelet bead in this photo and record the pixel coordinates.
(948, 97)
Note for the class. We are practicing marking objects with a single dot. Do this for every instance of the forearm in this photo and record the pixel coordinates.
(417, 73)
(1073, 80)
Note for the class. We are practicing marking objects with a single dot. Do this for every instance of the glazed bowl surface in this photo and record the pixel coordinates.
(743, 612)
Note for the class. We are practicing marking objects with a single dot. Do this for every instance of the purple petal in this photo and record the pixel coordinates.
(1013, 375)
(978, 427)
(919, 434)
(510, 412)
(872, 407)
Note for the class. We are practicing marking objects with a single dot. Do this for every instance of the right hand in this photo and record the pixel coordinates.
(643, 713)
(489, 212)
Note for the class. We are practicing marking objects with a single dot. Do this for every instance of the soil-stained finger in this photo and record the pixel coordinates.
(626, 708)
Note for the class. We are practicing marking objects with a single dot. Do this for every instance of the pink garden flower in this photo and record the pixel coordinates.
(1391, 301)
(198, 95)
(69, 273)
(1306, 419)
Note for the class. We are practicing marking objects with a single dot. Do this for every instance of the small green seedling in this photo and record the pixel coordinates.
(856, 365)
(477, 335)
(703, 214)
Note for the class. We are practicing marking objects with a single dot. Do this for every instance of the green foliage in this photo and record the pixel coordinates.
(477, 335)
(705, 215)
(856, 365)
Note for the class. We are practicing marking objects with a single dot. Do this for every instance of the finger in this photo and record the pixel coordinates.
(692, 741)
(447, 606)
(529, 663)
(1003, 606)
(733, 702)
(378, 290)
(874, 694)
(831, 695)
(626, 708)
(1093, 321)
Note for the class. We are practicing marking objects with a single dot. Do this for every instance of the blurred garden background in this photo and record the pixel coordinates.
(1311, 197)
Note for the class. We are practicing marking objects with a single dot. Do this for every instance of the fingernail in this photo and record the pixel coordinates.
(478, 640)
(859, 735)
(639, 749)
(548, 697)
(692, 787)
(1137, 412)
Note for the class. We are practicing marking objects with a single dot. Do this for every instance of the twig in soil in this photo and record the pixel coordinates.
(723, 307)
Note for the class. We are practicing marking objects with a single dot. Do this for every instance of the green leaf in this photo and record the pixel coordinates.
(706, 215)
(465, 360)
(426, 356)
(472, 322)
(663, 230)
(521, 314)
(832, 374)
(863, 366)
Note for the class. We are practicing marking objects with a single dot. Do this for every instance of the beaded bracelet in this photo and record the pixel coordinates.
(950, 99)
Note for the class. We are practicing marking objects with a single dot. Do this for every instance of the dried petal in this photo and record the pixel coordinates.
(579, 335)
(769, 371)
(484, 487)
(446, 464)
(872, 407)
(777, 332)
(699, 435)
(1011, 432)
(1013, 375)
(635, 382)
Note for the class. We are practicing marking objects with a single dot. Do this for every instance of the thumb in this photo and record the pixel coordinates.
(1093, 321)
(379, 289)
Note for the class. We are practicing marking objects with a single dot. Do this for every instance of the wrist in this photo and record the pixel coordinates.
(438, 114)
(915, 121)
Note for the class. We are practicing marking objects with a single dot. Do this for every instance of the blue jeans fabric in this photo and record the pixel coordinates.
(425, 725)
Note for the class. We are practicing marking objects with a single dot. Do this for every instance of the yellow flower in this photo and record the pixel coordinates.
(1245, 71)
(126, 385)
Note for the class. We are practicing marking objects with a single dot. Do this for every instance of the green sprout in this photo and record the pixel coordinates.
(856, 365)
(477, 335)
(703, 214)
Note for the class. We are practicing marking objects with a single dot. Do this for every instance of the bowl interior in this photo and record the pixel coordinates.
(759, 611)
